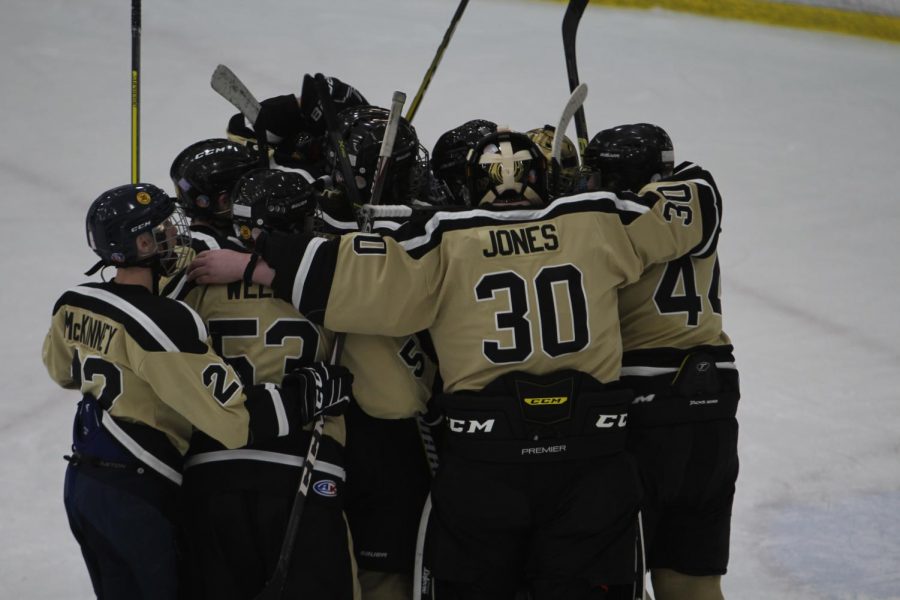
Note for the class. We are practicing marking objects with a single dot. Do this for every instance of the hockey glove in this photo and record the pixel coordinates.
(343, 96)
(319, 389)
(281, 117)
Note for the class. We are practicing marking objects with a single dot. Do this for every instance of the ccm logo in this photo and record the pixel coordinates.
(470, 425)
(610, 421)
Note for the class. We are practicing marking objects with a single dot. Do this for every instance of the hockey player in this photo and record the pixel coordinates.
(393, 379)
(148, 378)
(520, 299)
(204, 175)
(679, 362)
(237, 501)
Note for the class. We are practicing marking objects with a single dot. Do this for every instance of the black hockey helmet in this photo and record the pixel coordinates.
(562, 180)
(204, 174)
(361, 129)
(507, 168)
(628, 157)
(117, 220)
(271, 199)
(448, 157)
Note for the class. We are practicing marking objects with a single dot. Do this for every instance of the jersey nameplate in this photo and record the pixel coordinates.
(519, 240)
(89, 331)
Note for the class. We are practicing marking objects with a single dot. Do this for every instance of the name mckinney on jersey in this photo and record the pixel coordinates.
(89, 331)
(521, 240)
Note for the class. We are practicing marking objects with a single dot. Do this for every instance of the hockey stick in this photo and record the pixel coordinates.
(337, 144)
(230, 87)
(569, 30)
(385, 154)
(573, 105)
(414, 105)
(135, 91)
(275, 586)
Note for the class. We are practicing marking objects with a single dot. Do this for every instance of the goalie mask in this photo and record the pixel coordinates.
(273, 200)
(629, 157)
(138, 225)
(562, 180)
(361, 129)
(204, 174)
(448, 158)
(507, 168)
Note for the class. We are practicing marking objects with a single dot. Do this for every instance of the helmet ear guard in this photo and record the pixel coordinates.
(507, 168)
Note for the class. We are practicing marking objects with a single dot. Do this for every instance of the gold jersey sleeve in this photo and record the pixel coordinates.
(500, 291)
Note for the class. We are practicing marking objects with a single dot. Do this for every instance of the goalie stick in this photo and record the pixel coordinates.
(573, 105)
(569, 30)
(230, 87)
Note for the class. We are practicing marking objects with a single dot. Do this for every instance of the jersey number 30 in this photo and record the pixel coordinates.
(548, 284)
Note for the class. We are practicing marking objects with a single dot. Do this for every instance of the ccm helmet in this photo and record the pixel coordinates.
(137, 225)
(506, 167)
(628, 157)
(204, 174)
(271, 199)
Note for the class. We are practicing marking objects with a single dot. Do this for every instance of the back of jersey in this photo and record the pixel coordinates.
(676, 304)
(516, 290)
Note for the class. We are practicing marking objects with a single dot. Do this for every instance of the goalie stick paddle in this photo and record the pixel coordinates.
(573, 105)
(571, 19)
(230, 87)
(135, 91)
(414, 105)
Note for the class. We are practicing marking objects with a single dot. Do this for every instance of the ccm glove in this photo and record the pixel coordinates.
(319, 389)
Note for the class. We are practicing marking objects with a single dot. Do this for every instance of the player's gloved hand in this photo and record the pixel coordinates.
(319, 389)
(343, 96)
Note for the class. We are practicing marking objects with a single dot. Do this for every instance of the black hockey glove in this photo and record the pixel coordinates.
(343, 96)
(282, 117)
(319, 389)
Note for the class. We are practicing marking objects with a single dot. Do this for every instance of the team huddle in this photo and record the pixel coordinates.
(479, 371)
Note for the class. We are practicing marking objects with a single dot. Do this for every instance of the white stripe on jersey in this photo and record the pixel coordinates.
(639, 371)
(283, 425)
(303, 271)
(262, 456)
(198, 321)
(340, 225)
(145, 457)
(534, 214)
(132, 311)
(207, 239)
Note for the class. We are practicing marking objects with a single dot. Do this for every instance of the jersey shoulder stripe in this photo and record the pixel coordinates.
(419, 239)
(157, 324)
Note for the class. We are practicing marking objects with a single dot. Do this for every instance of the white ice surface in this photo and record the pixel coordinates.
(801, 129)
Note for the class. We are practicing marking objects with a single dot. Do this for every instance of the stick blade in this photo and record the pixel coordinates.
(227, 84)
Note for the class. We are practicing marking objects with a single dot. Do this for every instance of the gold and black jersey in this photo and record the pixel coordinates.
(674, 307)
(146, 360)
(260, 336)
(499, 291)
